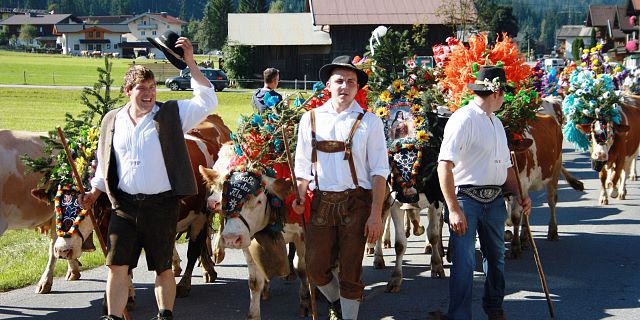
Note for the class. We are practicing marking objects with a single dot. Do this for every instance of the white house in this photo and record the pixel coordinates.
(569, 33)
(105, 38)
(148, 25)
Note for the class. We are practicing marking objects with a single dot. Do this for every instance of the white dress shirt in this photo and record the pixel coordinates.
(369, 148)
(139, 159)
(476, 143)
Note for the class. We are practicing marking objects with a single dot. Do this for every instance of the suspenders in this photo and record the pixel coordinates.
(332, 146)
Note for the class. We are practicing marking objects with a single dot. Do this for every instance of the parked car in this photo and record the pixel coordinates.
(217, 77)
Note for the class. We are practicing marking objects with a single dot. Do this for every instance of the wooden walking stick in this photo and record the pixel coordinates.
(78, 180)
(536, 257)
(312, 289)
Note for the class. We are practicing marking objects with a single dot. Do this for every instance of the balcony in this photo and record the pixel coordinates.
(147, 26)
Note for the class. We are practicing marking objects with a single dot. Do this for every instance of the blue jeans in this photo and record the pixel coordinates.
(488, 221)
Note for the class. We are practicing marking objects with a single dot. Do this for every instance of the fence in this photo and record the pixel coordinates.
(285, 84)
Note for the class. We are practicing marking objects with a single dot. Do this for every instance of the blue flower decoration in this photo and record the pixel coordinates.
(318, 86)
(298, 102)
(257, 121)
(270, 127)
(270, 172)
(277, 145)
(270, 100)
(272, 117)
(238, 150)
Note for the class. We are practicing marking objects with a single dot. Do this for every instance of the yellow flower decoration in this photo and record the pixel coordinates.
(595, 62)
(584, 64)
(422, 136)
(412, 94)
(416, 108)
(385, 96)
(607, 59)
(617, 69)
(594, 49)
(418, 121)
(585, 51)
(398, 85)
(382, 112)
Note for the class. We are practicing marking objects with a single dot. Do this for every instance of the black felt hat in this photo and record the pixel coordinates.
(342, 62)
(490, 78)
(167, 44)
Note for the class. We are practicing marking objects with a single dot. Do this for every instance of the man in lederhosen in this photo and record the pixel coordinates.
(341, 157)
(473, 168)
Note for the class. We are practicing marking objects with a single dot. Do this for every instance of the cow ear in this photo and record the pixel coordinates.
(521, 145)
(209, 175)
(41, 195)
(621, 128)
(279, 187)
(584, 128)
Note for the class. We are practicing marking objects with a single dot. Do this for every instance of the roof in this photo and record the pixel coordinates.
(285, 29)
(574, 31)
(339, 12)
(158, 16)
(21, 10)
(77, 28)
(599, 15)
(106, 19)
(36, 19)
(623, 20)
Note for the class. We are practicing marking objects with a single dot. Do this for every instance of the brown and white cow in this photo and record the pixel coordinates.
(18, 211)
(203, 144)
(613, 148)
(540, 166)
(244, 231)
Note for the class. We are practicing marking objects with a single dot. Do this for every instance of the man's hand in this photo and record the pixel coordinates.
(187, 47)
(373, 229)
(87, 199)
(458, 222)
(298, 206)
(525, 203)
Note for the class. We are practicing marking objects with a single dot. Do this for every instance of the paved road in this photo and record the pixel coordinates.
(592, 273)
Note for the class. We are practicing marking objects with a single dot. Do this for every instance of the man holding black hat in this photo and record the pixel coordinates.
(474, 165)
(343, 161)
(144, 168)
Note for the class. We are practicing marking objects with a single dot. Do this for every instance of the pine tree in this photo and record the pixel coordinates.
(212, 32)
(80, 133)
(252, 6)
(389, 58)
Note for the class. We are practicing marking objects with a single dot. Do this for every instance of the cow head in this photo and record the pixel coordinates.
(245, 199)
(72, 225)
(601, 135)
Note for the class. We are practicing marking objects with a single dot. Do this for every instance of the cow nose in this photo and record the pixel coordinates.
(213, 204)
(64, 254)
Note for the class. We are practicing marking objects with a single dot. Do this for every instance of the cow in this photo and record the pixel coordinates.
(16, 210)
(613, 148)
(246, 231)
(203, 143)
(540, 166)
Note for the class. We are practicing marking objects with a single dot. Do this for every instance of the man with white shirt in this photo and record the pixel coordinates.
(144, 168)
(341, 157)
(474, 164)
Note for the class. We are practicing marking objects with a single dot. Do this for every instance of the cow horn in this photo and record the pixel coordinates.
(584, 128)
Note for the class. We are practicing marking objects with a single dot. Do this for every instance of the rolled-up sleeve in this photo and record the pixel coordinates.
(302, 166)
(377, 155)
(98, 181)
(455, 135)
(196, 109)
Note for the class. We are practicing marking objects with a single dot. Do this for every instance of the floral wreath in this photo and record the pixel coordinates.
(58, 201)
(492, 85)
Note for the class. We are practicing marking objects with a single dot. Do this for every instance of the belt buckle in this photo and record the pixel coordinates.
(139, 196)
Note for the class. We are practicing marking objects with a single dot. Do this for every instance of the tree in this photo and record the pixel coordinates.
(277, 6)
(213, 29)
(28, 33)
(548, 30)
(4, 35)
(576, 49)
(252, 6)
(238, 60)
(459, 14)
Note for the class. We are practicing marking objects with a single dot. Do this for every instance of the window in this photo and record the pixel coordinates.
(97, 34)
(90, 46)
(108, 45)
(153, 32)
(90, 34)
(76, 47)
(98, 47)
(144, 22)
(142, 33)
